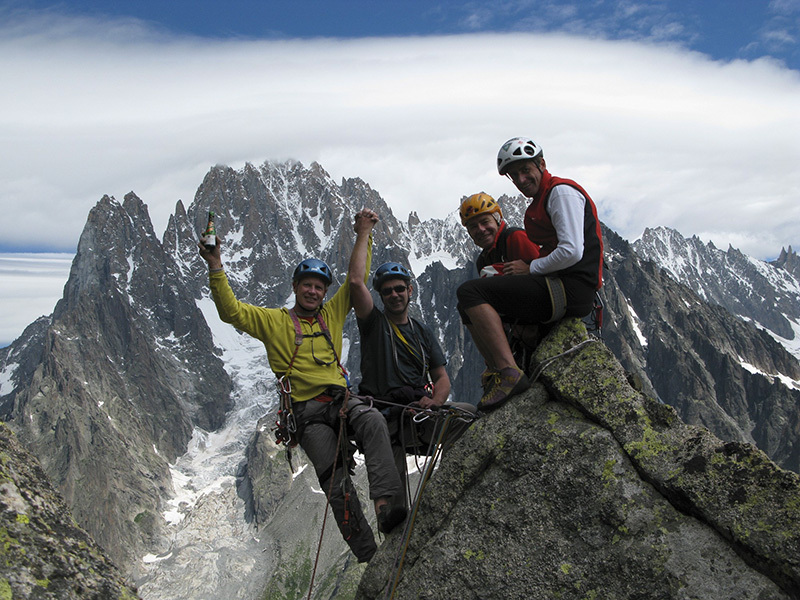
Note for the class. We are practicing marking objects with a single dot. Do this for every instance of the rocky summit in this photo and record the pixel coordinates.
(584, 488)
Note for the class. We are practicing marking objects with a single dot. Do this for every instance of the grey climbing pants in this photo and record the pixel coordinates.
(318, 425)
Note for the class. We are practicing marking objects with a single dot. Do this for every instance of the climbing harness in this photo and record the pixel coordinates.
(558, 298)
(286, 425)
(417, 353)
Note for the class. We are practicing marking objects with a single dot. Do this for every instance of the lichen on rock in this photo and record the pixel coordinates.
(584, 488)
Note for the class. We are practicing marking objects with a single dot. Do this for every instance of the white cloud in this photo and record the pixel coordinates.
(658, 135)
(32, 284)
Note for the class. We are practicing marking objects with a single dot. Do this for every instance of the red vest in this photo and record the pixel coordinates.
(541, 231)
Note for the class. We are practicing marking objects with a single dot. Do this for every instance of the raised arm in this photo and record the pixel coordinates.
(357, 272)
(253, 320)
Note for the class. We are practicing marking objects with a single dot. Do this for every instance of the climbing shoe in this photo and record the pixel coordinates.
(486, 379)
(389, 518)
(504, 384)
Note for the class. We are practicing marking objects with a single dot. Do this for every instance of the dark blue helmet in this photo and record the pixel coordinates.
(389, 270)
(315, 267)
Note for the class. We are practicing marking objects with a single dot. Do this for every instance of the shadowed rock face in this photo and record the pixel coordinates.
(44, 554)
(584, 488)
(694, 355)
(106, 400)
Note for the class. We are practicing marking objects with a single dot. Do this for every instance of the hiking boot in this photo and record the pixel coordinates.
(505, 384)
(389, 518)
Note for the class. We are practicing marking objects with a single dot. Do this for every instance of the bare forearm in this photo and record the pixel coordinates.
(357, 269)
(441, 391)
(360, 261)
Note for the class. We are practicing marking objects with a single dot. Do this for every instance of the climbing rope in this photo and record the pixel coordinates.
(548, 361)
(433, 455)
(430, 465)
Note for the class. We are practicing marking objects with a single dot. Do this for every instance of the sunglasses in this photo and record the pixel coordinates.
(387, 291)
(319, 361)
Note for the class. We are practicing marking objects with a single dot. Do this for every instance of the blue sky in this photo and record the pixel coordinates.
(682, 114)
(722, 29)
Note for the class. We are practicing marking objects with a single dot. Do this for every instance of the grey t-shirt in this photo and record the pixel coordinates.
(388, 363)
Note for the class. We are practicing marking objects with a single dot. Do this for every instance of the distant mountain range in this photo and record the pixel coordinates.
(139, 403)
(767, 294)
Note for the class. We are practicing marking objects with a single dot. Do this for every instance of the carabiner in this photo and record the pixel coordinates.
(285, 385)
(421, 415)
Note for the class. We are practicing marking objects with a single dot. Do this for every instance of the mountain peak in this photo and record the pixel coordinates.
(788, 260)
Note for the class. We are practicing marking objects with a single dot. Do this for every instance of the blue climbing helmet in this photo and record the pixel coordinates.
(389, 270)
(315, 267)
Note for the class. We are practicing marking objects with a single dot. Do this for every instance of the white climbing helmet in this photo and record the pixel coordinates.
(515, 149)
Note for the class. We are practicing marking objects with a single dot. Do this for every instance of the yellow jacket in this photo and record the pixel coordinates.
(274, 327)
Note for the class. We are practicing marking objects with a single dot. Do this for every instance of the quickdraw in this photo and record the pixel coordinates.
(286, 426)
(596, 315)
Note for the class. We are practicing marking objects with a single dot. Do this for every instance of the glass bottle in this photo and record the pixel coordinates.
(209, 237)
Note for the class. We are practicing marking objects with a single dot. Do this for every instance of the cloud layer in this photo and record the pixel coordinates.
(32, 284)
(657, 134)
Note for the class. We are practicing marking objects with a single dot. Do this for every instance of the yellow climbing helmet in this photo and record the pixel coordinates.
(479, 204)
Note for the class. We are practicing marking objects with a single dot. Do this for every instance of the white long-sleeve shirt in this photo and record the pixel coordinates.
(566, 208)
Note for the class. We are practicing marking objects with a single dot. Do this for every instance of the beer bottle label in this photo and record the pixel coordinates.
(209, 237)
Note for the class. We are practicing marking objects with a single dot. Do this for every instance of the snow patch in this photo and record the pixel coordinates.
(6, 384)
(637, 330)
(790, 383)
(152, 558)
